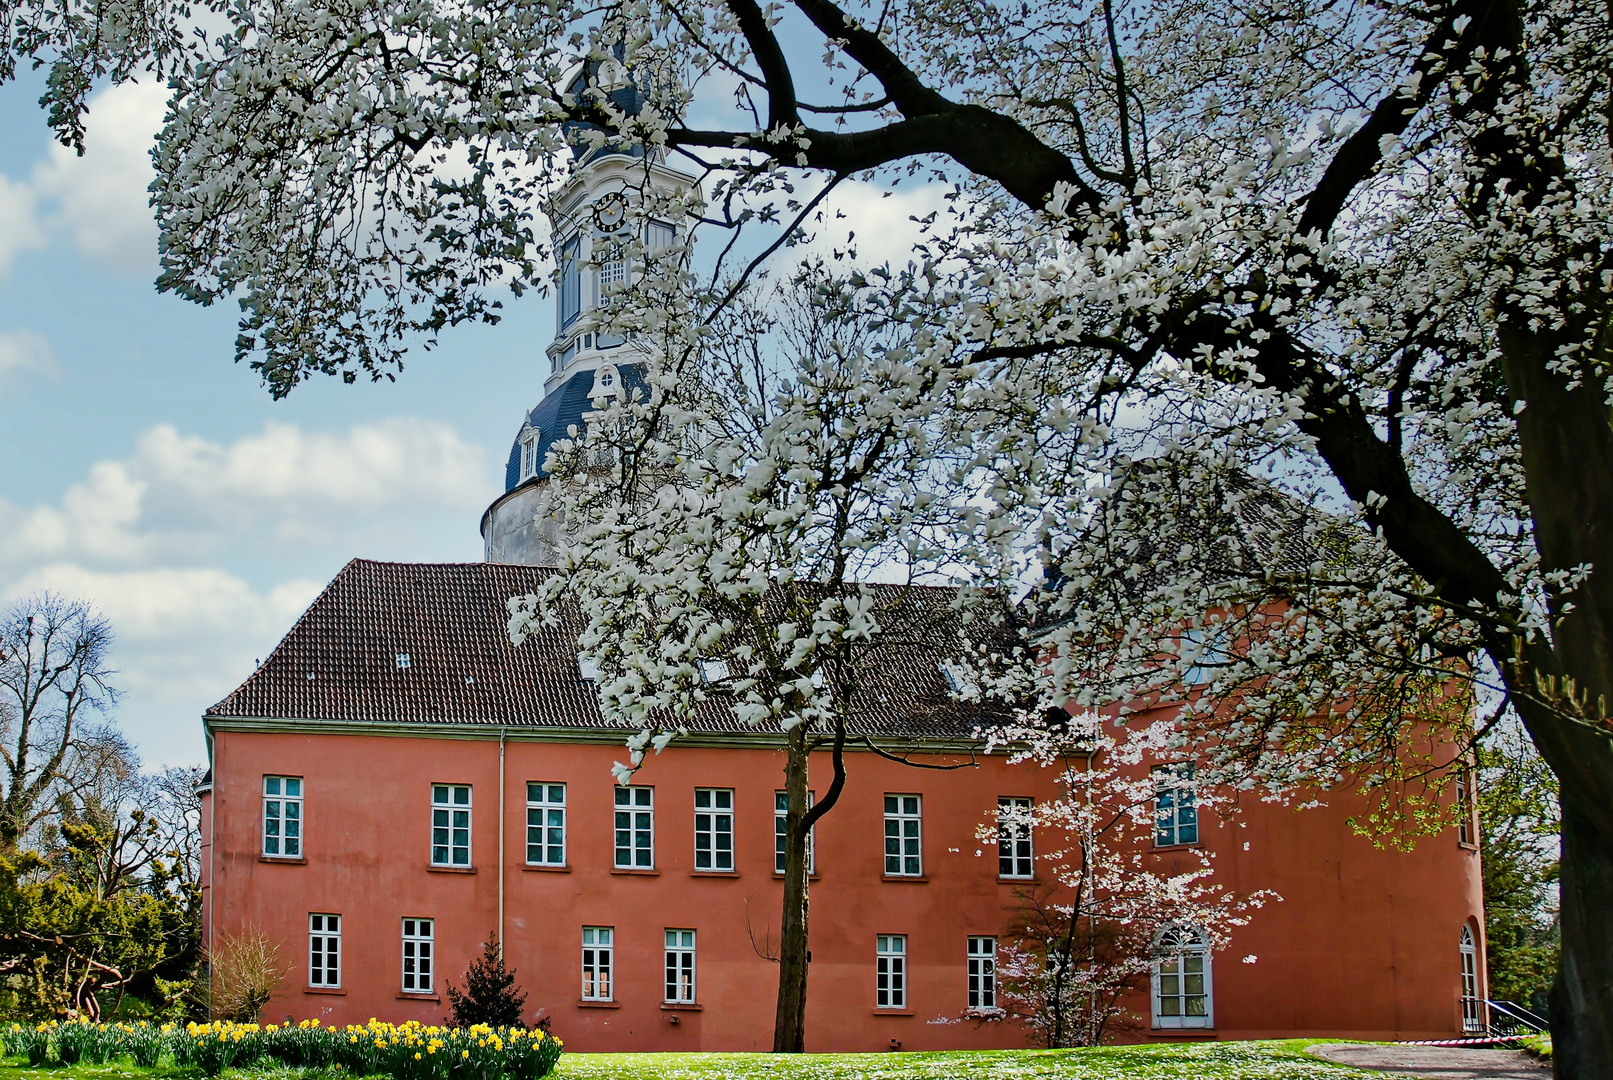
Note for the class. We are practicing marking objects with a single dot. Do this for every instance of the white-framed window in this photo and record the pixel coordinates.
(612, 273)
(781, 812)
(1464, 806)
(1183, 995)
(324, 950)
(982, 973)
(713, 829)
(545, 824)
(903, 842)
(1472, 1003)
(570, 291)
(1014, 838)
(282, 816)
(712, 671)
(1204, 649)
(450, 825)
(1176, 812)
(587, 668)
(658, 236)
(635, 828)
(417, 956)
(530, 461)
(598, 962)
(890, 971)
(680, 967)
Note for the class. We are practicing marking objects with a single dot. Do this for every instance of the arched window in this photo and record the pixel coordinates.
(1183, 995)
(1472, 1004)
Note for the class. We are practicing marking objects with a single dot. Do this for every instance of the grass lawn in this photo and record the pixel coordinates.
(1180, 1061)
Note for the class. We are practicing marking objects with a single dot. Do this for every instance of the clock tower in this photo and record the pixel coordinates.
(604, 224)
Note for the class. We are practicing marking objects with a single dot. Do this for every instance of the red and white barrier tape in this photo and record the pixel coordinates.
(1459, 1042)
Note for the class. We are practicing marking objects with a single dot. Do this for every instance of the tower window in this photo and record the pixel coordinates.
(570, 282)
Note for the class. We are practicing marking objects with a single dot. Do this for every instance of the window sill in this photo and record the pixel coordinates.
(409, 995)
(1467, 847)
(893, 1012)
(1177, 847)
(681, 1006)
(1003, 879)
(917, 879)
(323, 990)
(714, 873)
(631, 872)
(290, 860)
(540, 869)
(581, 1004)
(450, 869)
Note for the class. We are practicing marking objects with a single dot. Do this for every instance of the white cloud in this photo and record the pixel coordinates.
(19, 227)
(100, 198)
(202, 554)
(184, 496)
(24, 351)
(879, 224)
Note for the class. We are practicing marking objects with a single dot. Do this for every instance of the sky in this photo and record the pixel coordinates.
(146, 472)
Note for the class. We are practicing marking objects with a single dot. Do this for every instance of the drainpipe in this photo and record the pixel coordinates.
(503, 812)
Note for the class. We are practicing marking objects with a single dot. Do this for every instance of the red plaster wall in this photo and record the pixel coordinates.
(1364, 943)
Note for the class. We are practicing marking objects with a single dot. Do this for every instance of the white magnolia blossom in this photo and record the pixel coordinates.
(1205, 258)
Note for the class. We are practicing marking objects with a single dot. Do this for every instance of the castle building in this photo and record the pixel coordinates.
(397, 782)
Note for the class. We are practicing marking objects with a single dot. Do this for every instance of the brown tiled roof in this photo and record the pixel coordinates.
(340, 661)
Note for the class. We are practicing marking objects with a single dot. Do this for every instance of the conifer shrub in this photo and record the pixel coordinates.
(490, 995)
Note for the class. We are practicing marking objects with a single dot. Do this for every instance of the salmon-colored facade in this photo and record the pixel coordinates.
(1364, 943)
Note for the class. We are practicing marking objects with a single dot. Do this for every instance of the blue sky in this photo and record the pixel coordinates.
(148, 473)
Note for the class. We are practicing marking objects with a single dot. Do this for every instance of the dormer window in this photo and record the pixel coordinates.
(713, 671)
(402, 661)
(529, 455)
(587, 669)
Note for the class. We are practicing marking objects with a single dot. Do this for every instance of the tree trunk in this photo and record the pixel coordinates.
(1582, 997)
(789, 1024)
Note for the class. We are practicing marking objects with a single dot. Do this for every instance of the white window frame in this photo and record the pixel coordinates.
(446, 812)
(713, 828)
(599, 963)
(904, 835)
(283, 815)
(1176, 811)
(890, 971)
(418, 955)
(1173, 980)
(1472, 1002)
(568, 288)
(781, 813)
(982, 960)
(324, 950)
(1015, 856)
(679, 988)
(636, 804)
(1464, 806)
(551, 816)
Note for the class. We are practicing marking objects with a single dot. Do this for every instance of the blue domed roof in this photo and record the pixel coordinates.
(558, 413)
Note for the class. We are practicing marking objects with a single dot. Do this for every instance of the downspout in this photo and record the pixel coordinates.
(212, 847)
(503, 812)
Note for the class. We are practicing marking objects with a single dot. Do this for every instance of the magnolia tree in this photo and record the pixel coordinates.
(1365, 247)
(1109, 919)
(722, 523)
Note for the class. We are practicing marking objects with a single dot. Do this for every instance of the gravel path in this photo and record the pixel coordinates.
(1438, 1062)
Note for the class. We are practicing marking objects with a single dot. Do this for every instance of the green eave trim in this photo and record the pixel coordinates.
(493, 731)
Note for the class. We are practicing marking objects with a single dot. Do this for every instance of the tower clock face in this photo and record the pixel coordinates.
(610, 212)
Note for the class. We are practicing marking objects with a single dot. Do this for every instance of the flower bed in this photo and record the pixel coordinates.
(409, 1051)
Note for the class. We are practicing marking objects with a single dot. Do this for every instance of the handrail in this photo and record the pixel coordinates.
(1519, 1013)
